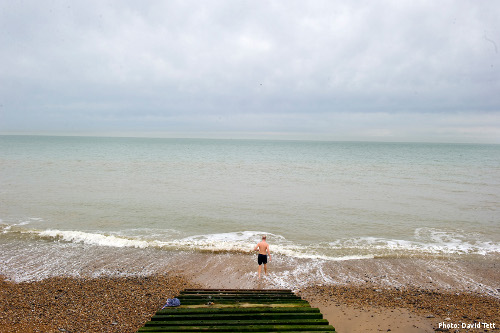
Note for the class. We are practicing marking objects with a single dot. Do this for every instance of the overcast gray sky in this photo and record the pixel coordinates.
(339, 70)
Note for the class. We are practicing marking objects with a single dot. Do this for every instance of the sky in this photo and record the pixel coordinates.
(329, 70)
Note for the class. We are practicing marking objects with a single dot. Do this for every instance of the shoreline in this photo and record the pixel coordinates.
(239, 270)
(368, 295)
(123, 304)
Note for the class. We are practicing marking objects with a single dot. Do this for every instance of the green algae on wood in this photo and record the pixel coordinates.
(233, 310)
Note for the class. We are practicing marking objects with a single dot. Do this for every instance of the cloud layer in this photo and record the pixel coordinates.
(394, 70)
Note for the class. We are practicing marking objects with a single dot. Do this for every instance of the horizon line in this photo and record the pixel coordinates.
(264, 136)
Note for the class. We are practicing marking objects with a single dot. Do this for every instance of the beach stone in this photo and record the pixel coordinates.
(104, 304)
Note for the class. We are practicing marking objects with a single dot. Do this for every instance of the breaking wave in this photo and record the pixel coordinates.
(426, 241)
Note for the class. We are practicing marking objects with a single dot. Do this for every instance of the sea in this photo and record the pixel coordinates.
(333, 212)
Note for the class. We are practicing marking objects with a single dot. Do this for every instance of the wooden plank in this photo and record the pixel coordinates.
(207, 309)
(249, 328)
(224, 322)
(273, 296)
(238, 316)
(247, 304)
(222, 301)
(240, 299)
(197, 298)
(248, 301)
(239, 290)
(240, 295)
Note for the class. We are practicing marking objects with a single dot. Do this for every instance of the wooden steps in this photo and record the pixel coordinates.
(238, 310)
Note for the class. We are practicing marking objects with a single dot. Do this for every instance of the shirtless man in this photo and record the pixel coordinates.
(264, 251)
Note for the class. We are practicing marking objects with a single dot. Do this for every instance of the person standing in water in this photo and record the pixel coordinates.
(264, 252)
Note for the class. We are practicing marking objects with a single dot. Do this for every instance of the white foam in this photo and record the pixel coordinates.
(93, 238)
(245, 241)
(426, 240)
(247, 236)
(9, 227)
(456, 241)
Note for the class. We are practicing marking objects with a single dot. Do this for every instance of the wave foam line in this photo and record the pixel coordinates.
(92, 238)
(5, 228)
(244, 242)
(435, 246)
(241, 242)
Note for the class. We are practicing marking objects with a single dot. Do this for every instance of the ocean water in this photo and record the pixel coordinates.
(69, 202)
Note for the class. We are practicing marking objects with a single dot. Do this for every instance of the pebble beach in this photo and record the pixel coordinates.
(123, 304)
(106, 304)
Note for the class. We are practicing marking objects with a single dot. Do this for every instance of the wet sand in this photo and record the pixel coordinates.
(370, 308)
(478, 275)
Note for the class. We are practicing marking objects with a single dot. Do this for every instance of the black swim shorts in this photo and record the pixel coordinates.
(262, 259)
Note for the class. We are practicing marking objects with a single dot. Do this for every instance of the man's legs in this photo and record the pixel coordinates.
(259, 270)
(265, 269)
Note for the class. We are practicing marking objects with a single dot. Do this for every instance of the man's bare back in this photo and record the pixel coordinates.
(263, 248)
(264, 252)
